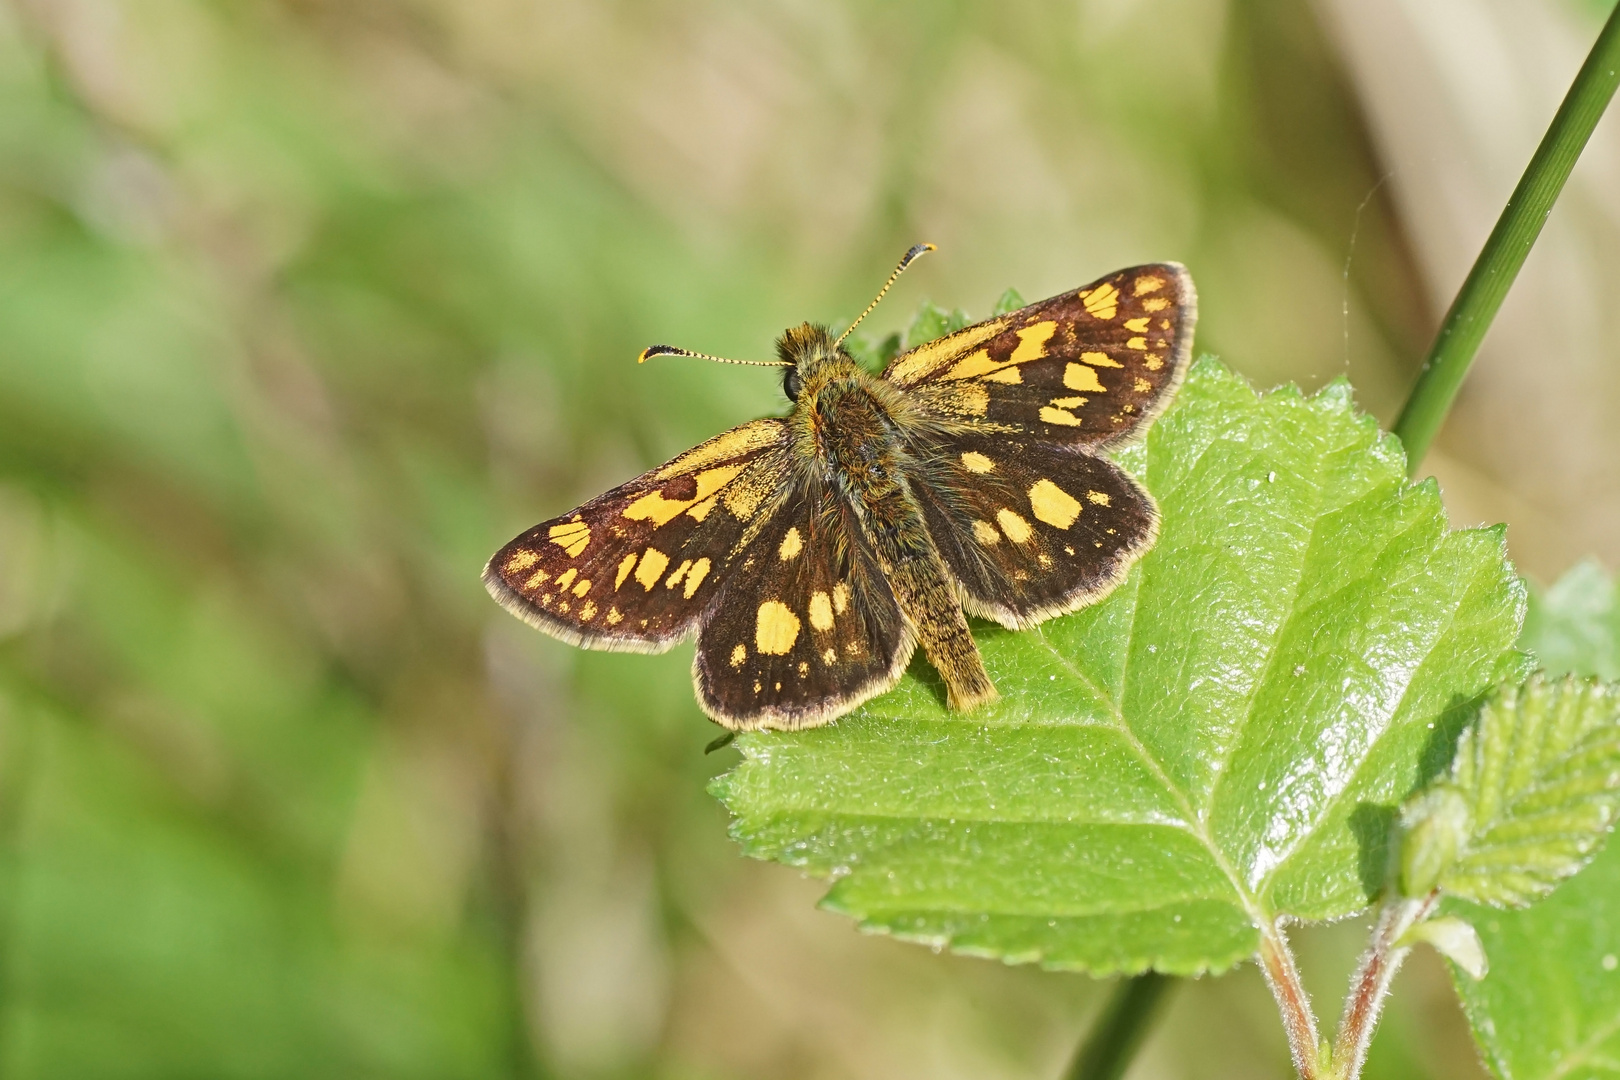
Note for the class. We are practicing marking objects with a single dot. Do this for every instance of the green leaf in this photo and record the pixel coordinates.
(873, 354)
(1223, 740)
(1575, 624)
(932, 323)
(1010, 301)
(1533, 793)
(1550, 1007)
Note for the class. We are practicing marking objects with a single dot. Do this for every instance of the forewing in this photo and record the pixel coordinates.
(805, 627)
(1090, 367)
(1031, 529)
(635, 569)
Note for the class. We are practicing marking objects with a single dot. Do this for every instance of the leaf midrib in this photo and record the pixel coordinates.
(1355, 774)
(1193, 826)
(1197, 824)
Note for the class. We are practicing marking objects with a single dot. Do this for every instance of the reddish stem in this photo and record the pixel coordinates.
(1370, 986)
(1277, 961)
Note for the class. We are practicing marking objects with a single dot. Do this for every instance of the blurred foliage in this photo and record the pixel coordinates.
(307, 305)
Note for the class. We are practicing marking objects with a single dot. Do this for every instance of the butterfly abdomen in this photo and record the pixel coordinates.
(866, 463)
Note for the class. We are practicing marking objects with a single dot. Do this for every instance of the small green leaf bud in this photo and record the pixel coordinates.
(1434, 827)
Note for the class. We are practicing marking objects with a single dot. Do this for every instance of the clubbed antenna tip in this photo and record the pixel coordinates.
(670, 350)
(905, 260)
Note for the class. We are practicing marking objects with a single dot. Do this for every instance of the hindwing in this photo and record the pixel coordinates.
(636, 568)
(1030, 529)
(1089, 367)
(806, 626)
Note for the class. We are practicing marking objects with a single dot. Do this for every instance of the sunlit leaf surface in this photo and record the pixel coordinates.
(1550, 1007)
(1222, 740)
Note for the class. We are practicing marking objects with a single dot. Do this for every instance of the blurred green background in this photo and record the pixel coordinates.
(306, 306)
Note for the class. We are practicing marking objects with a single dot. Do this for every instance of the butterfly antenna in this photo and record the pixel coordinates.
(670, 350)
(909, 258)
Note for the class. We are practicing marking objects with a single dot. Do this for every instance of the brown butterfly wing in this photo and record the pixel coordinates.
(1091, 367)
(635, 569)
(1031, 529)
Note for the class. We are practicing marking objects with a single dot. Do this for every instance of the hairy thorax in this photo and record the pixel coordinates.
(847, 422)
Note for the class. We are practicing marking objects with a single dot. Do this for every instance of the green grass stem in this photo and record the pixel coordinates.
(1120, 1030)
(1504, 253)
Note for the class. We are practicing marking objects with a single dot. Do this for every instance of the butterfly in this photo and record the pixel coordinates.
(812, 553)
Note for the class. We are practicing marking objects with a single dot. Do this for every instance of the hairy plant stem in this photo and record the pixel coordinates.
(1119, 1031)
(1299, 1022)
(1510, 241)
(1370, 984)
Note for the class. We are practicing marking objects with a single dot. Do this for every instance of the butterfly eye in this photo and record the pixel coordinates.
(791, 383)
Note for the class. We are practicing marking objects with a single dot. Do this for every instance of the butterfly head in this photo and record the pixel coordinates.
(807, 351)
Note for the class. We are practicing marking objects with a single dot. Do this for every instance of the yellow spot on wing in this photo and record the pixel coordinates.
(1099, 359)
(625, 566)
(565, 577)
(659, 510)
(1137, 326)
(1058, 416)
(583, 587)
(571, 536)
(970, 400)
(1143, 386)
(588, 612)
(1016, 528)
(1157, 303)
(701, 510)
(1007, 375)
(1031, 346)
(680, 572)
(1053, 505)
(830, 656)
(743, 498)
(975, 363)
(924, 359)
(1101, 302)
(520, 561)
(613, 617)
(776, 628)
(1152, 363)
(739, 653)
(754, 435)
(1136, 343)
(652, 567)
(1032, 341)
(1080, 377)
(821, 612)
(1068, 402)
(791, 545)
(1098, 497)
(840, 597)
(985, 533)
(1145, 285)
(537, 579)
(700, 570)
(975, 462)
